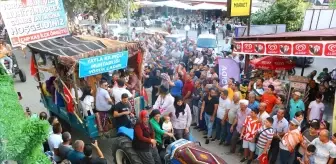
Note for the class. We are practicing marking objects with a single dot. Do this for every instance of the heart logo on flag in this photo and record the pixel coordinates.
(332, 47)
(300, 47)
(272, 47)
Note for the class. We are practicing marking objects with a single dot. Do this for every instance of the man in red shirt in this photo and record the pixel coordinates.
(187, 89)
(269, 98)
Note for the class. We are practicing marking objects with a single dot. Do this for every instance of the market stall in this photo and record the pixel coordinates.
(317, 43)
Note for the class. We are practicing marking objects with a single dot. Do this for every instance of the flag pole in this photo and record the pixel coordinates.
(75, 113)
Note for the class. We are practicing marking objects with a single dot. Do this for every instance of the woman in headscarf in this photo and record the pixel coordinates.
(180, 117)
(155, 117)
(164, 101)
(144, 142)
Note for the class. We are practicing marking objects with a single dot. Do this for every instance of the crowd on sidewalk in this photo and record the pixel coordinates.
(182, 91)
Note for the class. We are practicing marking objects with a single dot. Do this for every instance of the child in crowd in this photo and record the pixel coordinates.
(308, 157)
(167, 126)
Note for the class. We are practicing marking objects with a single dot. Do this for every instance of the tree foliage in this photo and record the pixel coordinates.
(20, 138)
(105, 9)
(289, 12)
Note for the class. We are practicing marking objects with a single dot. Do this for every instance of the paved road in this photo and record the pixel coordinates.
(31, 99)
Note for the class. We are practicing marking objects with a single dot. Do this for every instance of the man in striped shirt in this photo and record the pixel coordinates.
(265, 138)
(248, 133)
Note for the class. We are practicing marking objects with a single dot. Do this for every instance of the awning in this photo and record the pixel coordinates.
(208, 6)
(66, 46)
(174, 4)
(299, 34)
(70, 49)
(146, 4)
(316, 43)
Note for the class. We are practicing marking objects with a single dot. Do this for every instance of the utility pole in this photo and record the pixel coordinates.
(128, 20)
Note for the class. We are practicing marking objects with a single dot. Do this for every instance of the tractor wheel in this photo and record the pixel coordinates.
(122, 151)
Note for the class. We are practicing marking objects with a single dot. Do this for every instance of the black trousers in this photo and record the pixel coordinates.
(234, 140)
(274, 150)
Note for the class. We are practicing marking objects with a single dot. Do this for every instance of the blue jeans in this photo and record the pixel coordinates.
(228, 132)
(284, 156)
(209, 124)
(220, 130)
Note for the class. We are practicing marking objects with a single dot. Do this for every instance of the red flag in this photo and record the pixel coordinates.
(139, 58)
(144, 94)
(68, 100)
(33, 68)
(263, 159)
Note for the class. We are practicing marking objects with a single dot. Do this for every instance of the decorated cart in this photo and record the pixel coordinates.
(80, 61)
(316, 43)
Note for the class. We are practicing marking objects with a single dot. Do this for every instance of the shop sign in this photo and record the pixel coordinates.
(253, 48)
(287, 48)
(239, 8)
(237, 47)
(34, 21)
(101, 64)
(314, 49)
(330, 49)
(278, 48)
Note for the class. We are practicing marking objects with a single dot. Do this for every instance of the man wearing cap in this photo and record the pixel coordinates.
(289, 141)
(236, 127)
(295, 104)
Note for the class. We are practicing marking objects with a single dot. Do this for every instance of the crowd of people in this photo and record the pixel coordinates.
(60, 148)
(183, 93)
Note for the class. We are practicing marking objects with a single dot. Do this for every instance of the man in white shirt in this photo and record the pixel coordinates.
(54, 140)
(223, 107)
(176, 54)
(103, 104)
(326, 149)
(118, 91)
(227, 47)
(263, 115)
(316, 108)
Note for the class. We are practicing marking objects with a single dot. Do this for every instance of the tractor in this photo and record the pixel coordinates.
(178, 152)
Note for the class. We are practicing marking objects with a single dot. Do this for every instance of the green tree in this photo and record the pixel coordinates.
(289, 12)
(105, 9)
(332, 4)
(20, 138)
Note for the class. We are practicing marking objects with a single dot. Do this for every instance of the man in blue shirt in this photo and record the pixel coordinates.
(176, 86)
(253, 104)
(76, 155)
(295, 104)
